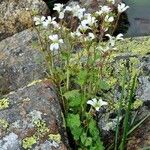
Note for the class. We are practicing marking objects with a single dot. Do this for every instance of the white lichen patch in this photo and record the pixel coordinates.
(111, 125)
(35, 115)
(9, 142)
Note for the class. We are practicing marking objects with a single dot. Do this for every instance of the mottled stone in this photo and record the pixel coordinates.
(36, 101)
(140, 138)
(15, 15)
(20, 63)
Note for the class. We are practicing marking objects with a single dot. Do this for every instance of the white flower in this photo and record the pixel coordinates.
(61, 15)
(119, 37)
(103, 10)
(97, 104)
(56, 42)
(91, 36)
(49, 20)
(76, 33)
(38, 20)
(122, 7)
(68, 8)
(58, 7)
(76, 10)
(90, 19)
(109, 18)
(113, 39)
(83, 26)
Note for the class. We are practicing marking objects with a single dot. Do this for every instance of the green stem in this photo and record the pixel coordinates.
(119, 110)
(126, 120)
(68, 78)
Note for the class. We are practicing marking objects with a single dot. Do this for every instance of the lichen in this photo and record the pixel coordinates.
(135, 46)
(4, 103)
(137, 103)
(35, 115)
(55, 137)
(28, 142)
(3, 123)
(41, 128)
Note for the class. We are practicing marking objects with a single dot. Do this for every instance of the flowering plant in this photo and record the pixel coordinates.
(80, 64)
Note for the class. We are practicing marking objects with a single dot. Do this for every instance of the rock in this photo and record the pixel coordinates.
(15, 15)
(20, 63)
(140, 138)
(33, 113)
(143, 91)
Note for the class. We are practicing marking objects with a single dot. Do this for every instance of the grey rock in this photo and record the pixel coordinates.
(20, 63)
(143, 91)
(10, 142)
(37, 100)
(15, 15)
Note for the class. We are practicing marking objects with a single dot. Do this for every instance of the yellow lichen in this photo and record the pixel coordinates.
(3, 123)
(55, 137)
(41, 128)
(4, 103)
(28, 142)
(137, 103)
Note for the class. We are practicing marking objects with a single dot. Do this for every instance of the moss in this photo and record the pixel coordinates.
(4, 103)
(28, 142)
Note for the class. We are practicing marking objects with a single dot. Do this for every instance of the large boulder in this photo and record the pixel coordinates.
(15, 15)
(31, 118)
(20, 63)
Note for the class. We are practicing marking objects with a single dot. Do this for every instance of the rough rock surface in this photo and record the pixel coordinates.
(15, 15)
(140, 138)
(20, 63)
(37, 101)
(144, 80)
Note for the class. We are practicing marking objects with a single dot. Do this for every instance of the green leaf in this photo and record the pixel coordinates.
(83, 137)
(82, 77)
(93, 130)
(88, 141)
(73, 121)
(71, 94)
(76, 132)
(74, 98)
